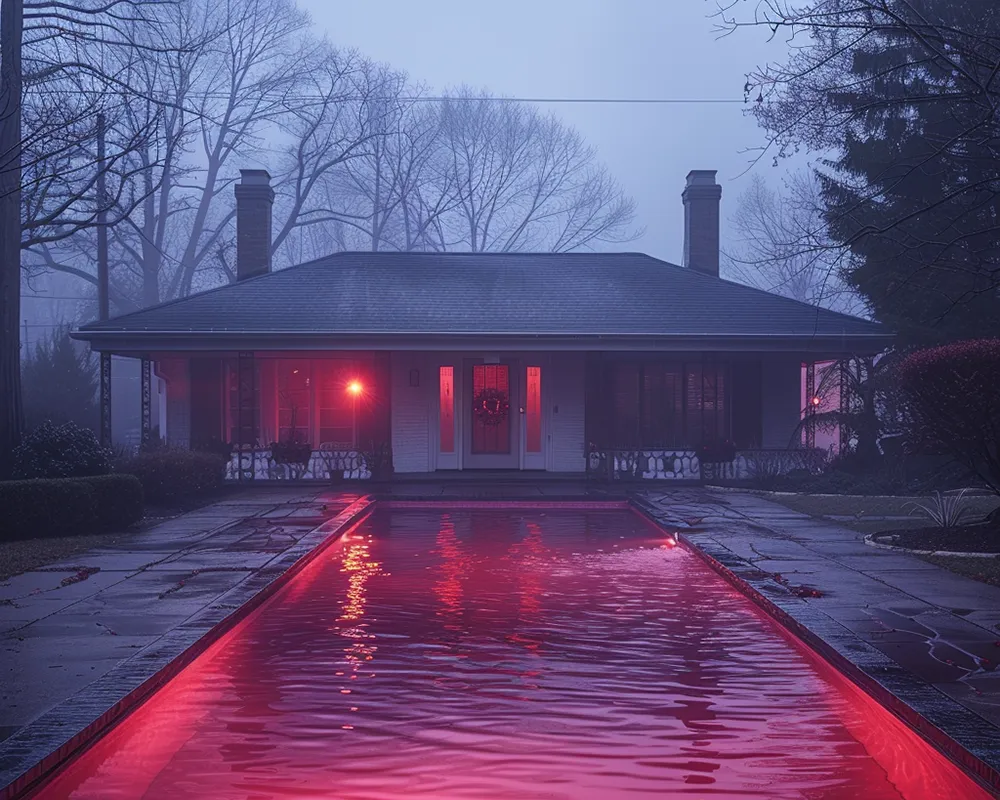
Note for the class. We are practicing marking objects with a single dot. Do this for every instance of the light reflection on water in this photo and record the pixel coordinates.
(488, 654)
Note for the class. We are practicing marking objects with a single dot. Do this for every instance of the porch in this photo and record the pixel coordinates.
(342, 415)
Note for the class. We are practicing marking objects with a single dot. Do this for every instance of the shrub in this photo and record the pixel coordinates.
(64, 451)
(172, 476)
(952, 395)
(119, 499)
(945, 511)
(44, 507)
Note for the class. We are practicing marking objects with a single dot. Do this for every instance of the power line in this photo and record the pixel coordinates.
(444, 98)
(54, 297)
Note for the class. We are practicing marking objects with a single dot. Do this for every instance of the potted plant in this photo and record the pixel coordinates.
(717, 451)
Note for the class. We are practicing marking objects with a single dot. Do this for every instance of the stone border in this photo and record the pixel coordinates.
(36, 751)
(968, 740)
(870, 541)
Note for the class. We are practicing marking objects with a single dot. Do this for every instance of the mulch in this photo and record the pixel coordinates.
(979, 538)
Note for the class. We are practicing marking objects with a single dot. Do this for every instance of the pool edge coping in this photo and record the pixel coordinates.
(155, 665)
(941, 721)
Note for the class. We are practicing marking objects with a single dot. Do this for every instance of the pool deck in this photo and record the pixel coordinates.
(76, 641)
(65, 625)
(927, 636)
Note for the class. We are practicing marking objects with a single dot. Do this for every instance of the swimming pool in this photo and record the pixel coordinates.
(504, 653)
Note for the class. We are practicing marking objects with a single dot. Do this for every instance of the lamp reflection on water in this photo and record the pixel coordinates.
(360, 568)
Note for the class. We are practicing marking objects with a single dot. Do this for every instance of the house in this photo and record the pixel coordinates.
(564, 362)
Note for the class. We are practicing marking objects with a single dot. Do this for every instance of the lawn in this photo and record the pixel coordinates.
(864, 511)
(985, 570)
(860, 507)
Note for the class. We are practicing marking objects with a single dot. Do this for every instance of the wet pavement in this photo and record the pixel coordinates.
(941, 629)
(65, 625)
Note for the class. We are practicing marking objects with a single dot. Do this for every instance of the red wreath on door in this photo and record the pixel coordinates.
(491, 407)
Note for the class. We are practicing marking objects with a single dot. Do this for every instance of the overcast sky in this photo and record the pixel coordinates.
(587, 48)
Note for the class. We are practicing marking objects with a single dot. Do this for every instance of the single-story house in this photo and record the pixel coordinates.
(564, 362)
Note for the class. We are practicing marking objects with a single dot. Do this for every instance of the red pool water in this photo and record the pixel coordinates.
(495, 654)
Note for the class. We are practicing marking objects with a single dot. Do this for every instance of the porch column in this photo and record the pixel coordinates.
(105, 399)
(145, 376)
(246, 413)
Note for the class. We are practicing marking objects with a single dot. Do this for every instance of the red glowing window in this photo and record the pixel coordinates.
(533, 411)
(447, 380)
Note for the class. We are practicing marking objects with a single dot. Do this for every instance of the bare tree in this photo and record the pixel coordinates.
(783, 245)
(63, 64)
(524, 181)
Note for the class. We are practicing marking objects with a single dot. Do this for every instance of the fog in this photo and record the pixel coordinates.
(638, 49)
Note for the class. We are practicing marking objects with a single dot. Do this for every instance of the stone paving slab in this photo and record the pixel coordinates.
(927, 635)
(56, 638)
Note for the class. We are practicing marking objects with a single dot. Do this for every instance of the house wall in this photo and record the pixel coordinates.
(564, 391)
(411, 413)
(781, 386)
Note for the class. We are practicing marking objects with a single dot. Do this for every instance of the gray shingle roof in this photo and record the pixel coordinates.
(603, 294)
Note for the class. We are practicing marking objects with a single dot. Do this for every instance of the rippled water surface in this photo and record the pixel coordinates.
(496, 654)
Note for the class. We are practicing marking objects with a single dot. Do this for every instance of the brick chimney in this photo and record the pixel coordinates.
(701, 221)
(254, 197)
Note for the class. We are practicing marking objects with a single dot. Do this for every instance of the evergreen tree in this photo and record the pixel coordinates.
(60, 384)
(915, 192)
(902, 97)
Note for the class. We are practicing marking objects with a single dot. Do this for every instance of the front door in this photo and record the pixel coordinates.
(492, 417)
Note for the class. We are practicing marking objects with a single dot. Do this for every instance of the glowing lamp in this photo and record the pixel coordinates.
(815, 401)
(354, 387)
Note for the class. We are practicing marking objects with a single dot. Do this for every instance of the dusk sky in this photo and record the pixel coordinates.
(587, 49)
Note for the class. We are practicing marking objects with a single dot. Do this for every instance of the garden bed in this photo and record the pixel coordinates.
(981, 538)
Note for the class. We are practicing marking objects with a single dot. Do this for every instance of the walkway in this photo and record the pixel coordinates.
(941, 628)
(65, 625)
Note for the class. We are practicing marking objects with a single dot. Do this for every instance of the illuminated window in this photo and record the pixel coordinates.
(447, 381)
(336, 403)
(533, 411)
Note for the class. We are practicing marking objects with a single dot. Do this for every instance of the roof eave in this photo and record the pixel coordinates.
(173, 341)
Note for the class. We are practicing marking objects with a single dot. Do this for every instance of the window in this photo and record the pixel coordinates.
(294, 395)
(625, 405)
(655, 404)
(533, 412)
(243, 429)
(661, 406)
(335, 403)
(446, 378)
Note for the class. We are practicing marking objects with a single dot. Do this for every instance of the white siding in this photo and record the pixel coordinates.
(781, 384)
(411, 434)
(564, 389)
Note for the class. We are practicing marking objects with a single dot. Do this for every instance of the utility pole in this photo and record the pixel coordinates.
(11, 410)
(103, 304)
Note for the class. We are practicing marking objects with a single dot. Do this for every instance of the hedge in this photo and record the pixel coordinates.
(173, 476)
(119, 499)
(43, 507)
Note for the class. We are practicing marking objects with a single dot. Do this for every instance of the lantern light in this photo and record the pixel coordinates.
(815, 401)
(354, 387)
